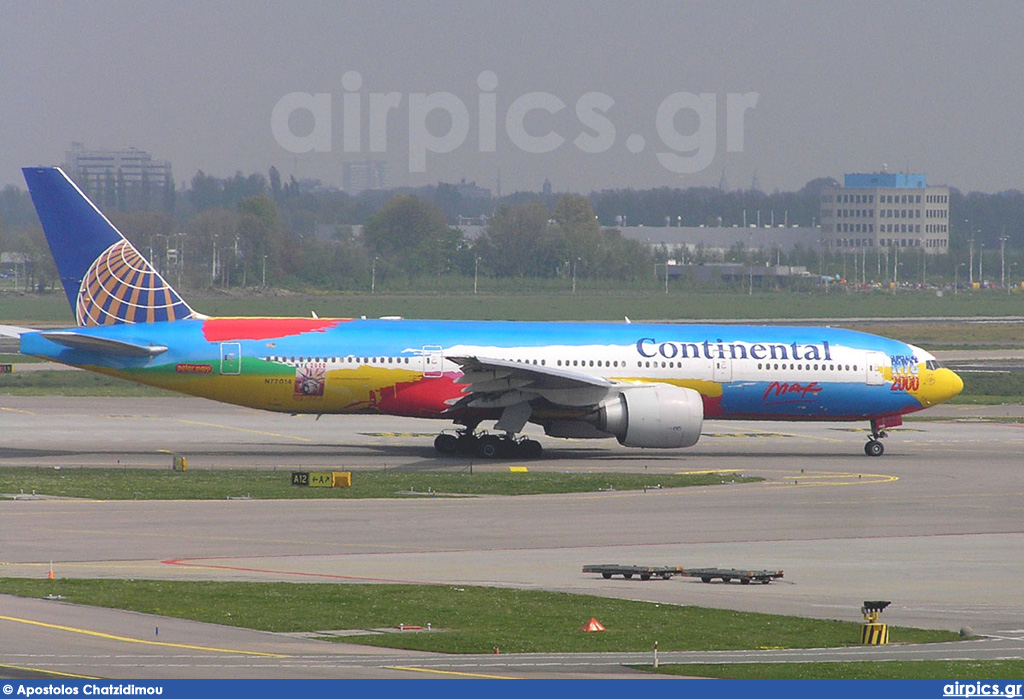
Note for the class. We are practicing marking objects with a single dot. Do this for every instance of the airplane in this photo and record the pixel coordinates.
(646, 385)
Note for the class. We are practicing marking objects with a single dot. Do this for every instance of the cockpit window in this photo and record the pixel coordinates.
(932, 365)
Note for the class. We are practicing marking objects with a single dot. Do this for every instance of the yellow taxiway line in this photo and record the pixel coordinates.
(56, 673)
(125, 639)
(450, 672)
(242, 429)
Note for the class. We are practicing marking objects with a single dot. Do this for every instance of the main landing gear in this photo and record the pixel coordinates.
(874, 446)
(487, 446)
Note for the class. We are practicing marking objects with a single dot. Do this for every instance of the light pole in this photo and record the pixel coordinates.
(476, 268)
(981, 264)
(373, 276)
(264, 271)
(574, 273)
(1002, 259)
(895, 269)
(970, 270)
(956, 278)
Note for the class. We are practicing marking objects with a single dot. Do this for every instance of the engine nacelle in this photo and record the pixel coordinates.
(658, 416)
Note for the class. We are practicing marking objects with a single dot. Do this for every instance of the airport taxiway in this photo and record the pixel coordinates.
(936, 525)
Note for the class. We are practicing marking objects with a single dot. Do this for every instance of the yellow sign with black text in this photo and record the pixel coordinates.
(321, 479)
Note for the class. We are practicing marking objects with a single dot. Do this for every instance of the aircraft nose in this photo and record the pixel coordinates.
(939, 386)
(954, 382)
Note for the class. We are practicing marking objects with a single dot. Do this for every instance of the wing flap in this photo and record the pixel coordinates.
(499, 383)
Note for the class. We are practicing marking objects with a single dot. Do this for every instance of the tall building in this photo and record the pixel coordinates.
(128, 179)
(880, 211)
(361, 175)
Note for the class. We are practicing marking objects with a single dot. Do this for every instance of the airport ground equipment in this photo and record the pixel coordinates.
(744, 575)
(874, 633)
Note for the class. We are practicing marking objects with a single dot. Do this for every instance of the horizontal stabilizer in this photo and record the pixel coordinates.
(102, 345)
(14, 331)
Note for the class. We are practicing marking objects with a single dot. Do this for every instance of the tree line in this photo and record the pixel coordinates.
(255, 230)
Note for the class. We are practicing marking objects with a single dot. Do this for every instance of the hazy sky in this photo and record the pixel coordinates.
(586, 94)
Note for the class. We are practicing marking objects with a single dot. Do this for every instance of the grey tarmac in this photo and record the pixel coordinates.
(935, 525)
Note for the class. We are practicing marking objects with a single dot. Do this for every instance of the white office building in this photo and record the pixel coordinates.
(875, 212)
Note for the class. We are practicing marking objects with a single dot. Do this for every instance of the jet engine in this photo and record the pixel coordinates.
(658, 416)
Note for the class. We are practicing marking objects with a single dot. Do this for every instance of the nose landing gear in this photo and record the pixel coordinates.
(874, 447)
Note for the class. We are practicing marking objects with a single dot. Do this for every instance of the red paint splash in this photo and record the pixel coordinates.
(420, 398)
(223, 329)
(712, 405)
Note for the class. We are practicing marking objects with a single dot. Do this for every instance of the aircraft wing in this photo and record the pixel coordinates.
(499, 383)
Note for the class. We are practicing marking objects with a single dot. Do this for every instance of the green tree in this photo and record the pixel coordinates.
(259, 232)
(412, 235)
(580, 232)
(519, 242)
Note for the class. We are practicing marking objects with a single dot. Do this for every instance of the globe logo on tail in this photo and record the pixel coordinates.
(122, 287)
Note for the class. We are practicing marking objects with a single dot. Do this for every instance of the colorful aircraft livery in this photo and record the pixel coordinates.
(644, 385)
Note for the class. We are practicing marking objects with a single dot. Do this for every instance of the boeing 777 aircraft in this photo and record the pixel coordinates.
(645, 385)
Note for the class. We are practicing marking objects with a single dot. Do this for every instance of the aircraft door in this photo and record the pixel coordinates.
(433, 361)
(230, 358)
(722, 370)
(875, 362)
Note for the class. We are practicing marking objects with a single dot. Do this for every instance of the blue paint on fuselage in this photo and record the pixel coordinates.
(678, 353)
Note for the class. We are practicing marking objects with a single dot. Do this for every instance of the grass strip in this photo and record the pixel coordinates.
(548, 299)
(867, 670)
(74, 383)
(166, 484)
(464, 619)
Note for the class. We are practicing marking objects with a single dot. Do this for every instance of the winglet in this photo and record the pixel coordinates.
(106, 280)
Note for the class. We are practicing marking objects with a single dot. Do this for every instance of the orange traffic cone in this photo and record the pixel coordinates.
(592, 625)
(50, 577)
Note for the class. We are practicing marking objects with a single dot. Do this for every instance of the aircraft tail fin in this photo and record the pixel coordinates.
(107, 281)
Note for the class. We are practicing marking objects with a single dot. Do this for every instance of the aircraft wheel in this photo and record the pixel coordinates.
(530, 449)
(446, 443)
(874, 448)
(489, 447)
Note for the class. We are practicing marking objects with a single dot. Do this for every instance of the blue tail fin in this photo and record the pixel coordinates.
(105, 278)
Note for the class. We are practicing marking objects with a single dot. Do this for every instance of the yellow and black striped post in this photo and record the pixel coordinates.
(874, 634)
